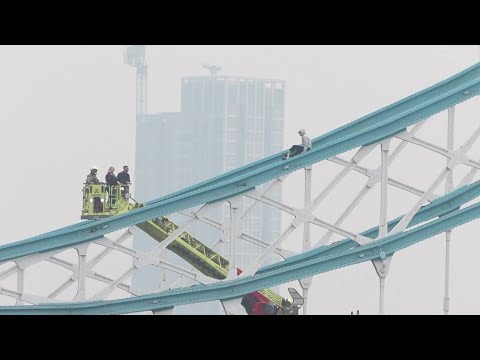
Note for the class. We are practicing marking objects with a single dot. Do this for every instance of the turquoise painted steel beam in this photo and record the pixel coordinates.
(379, 125)
(469, 74)
(226, 290)
(93, 230)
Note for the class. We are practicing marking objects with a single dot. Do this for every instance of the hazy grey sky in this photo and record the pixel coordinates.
(65, 108)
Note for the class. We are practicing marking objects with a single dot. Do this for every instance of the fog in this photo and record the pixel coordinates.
(65, 108)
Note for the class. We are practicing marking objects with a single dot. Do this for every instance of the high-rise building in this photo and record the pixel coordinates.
(224, 123)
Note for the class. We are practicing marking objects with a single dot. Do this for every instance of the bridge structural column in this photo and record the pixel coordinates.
(448, 189)
(82, 257)
(163, 312)
(163, 279)
(383, 230)
(382, 267)
(20, 284)
(307, 282)
(234, 218)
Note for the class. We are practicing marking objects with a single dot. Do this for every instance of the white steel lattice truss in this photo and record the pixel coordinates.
(302, 217)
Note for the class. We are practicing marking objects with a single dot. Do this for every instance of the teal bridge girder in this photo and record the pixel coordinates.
(374, 128)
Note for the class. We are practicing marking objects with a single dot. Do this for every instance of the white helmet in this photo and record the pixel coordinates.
(302, 132)
(93, 168)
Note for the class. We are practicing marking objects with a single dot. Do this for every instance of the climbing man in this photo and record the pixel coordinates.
(295, 150)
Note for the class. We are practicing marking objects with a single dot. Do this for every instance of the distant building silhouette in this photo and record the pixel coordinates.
(224, 123)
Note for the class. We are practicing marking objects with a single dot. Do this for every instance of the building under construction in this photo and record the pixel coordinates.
(224, 122)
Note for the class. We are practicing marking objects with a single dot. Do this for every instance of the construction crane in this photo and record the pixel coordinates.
(135, 56)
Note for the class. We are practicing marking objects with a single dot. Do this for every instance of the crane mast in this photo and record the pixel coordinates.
(135, 56)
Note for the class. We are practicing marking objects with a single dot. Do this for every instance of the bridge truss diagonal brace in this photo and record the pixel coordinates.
(303, 216)
(403, 224)
(456, 157)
